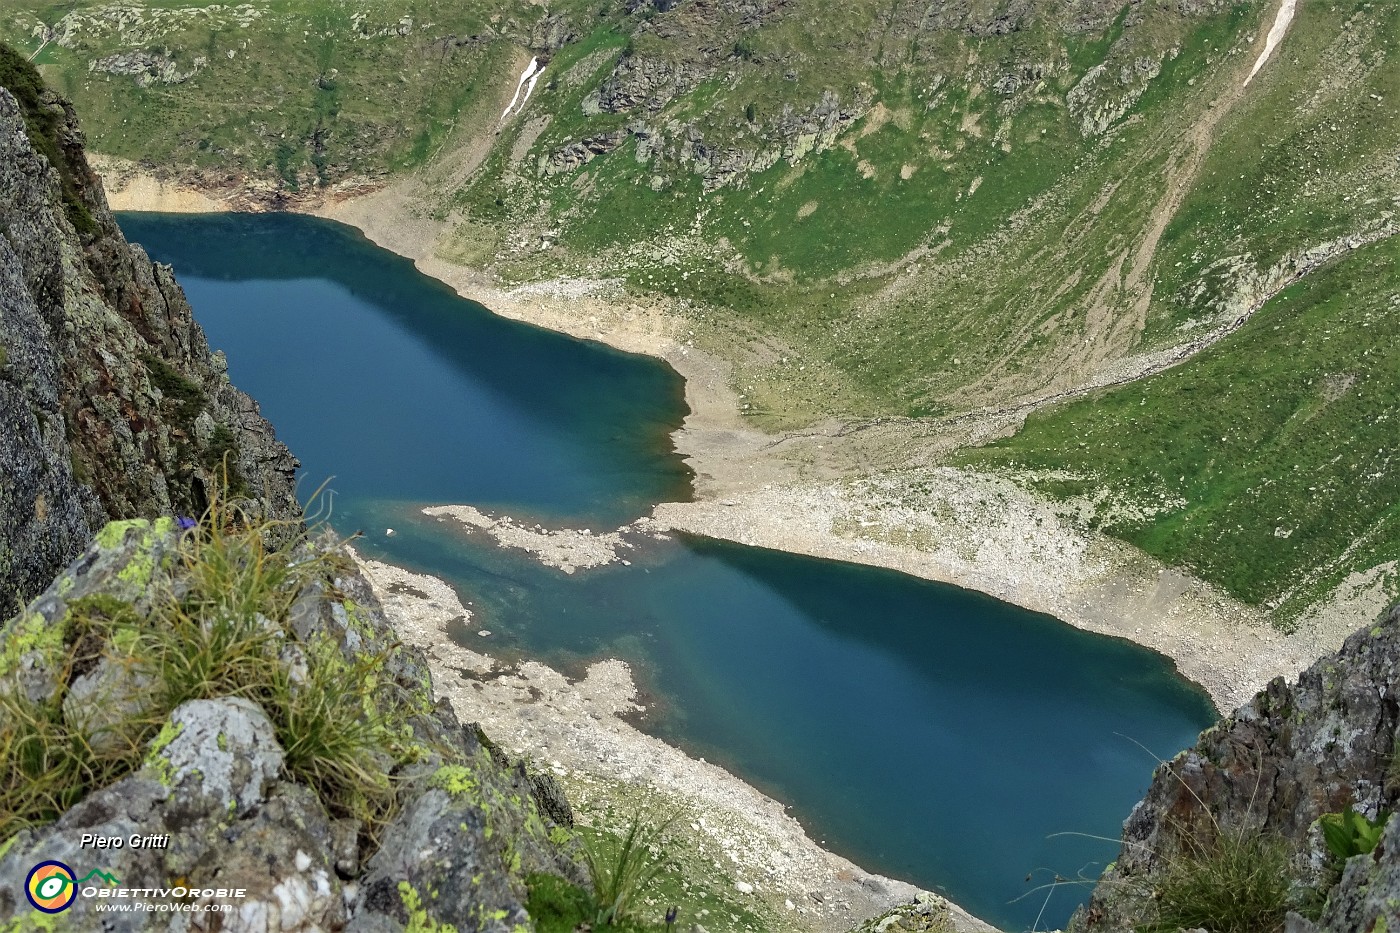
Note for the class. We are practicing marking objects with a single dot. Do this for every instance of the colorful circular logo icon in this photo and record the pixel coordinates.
(50, 887)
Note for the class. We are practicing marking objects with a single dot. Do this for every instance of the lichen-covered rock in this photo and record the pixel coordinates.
(133, 806)
(44, 511)
(280, 857)
(215, 764)
(120, 564)
(217, 787)
(928, 913)
(446, 849)
(223, 749)
(105, 378)
(1368, 896)
(1296, 752)
(98, 702)
(438, 856)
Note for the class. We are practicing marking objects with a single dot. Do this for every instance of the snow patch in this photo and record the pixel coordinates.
(1275, 36)
(531, 74)
(530, 88)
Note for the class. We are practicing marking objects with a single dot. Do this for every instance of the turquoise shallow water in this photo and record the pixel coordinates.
(926, 732)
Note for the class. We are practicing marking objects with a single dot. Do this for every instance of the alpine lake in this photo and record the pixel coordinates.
(926, 732)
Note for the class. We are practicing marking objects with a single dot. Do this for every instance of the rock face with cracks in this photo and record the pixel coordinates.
(112, 405)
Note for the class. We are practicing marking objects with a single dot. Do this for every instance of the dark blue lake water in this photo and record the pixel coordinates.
(926, 732)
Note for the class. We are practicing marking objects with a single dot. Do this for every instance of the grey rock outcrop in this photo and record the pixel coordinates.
(791, 136)
(1324, 744)
(1104, 95)
(927, 913)
(649, 83)
(219, 782)
(111, 402)
(1368, 895)
(582, 152)
(224, 750)
(148, 67)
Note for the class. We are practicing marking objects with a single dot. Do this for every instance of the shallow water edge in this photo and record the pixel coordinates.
(580, 730)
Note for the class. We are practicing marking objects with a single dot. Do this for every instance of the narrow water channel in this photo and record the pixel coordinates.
(923, 731)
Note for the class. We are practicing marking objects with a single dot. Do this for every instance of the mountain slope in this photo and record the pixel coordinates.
(964, 210)
(1267, 462)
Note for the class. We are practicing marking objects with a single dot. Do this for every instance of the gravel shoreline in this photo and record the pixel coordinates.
(578, 731)
(566, 549)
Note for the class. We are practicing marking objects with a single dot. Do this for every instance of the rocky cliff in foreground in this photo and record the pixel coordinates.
(1232, 833)
(254, 712)
(111, 403)
(210, 714)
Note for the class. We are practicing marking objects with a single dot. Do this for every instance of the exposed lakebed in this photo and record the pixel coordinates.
(926, 732)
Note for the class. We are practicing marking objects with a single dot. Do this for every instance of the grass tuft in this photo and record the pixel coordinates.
(216, 628)
(619, 875)
(336, 736)
(1238, 883)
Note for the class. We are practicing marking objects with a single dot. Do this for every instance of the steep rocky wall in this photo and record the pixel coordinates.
(1324, 744)
(111, 402)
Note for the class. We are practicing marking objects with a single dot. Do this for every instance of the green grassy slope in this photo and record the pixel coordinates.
(915, 266)
(285, 91)
(1269, 462)
(1308, 156)
(872, 209)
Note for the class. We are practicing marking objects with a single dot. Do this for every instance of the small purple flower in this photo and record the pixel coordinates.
(185, 524)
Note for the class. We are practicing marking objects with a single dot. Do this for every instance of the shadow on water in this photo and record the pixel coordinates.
(419, 391)
(926, 732)
(968, 731)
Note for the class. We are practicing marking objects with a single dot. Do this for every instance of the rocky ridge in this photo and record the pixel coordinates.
(221, 779)
(1325, 744)
(111, 402)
